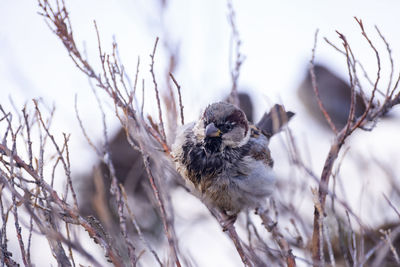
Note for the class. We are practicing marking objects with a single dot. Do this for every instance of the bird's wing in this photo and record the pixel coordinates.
(273, 121)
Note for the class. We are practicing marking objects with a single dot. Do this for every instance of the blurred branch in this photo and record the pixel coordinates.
(235, 53)
(273, 228)
(178, 87)
(391, 205)
(160, 202)
(372, 112)
(69, 214)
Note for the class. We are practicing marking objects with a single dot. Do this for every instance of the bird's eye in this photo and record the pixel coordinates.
(228, 126)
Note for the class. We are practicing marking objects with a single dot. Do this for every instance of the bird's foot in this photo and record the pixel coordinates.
(228, 221)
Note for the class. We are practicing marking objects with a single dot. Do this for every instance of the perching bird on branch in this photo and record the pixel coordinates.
(226, 159)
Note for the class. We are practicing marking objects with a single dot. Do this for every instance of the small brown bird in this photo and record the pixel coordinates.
(226, 159)
(335, 94)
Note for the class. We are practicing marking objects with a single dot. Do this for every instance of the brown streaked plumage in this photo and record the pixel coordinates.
(226, 159)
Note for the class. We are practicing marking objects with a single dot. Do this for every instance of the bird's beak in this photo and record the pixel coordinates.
(212, 131)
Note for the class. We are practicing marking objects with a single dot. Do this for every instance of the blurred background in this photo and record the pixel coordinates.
(195, 40)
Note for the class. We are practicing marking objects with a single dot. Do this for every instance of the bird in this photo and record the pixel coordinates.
(335, 94)
(225, 159)
(94, 193)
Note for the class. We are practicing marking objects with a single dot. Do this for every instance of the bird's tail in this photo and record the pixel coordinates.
(273, 121)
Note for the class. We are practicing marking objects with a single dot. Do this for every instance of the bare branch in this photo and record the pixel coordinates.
(315, 86)
(239, 58)
(162, 131)
(178, 87)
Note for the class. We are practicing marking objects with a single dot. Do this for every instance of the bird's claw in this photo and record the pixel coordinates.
(228, 221)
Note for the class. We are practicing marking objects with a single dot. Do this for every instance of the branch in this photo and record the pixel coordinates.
(178, 87)
(239, 58)
(162, 131)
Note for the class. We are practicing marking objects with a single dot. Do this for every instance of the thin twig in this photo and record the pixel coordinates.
(273, 228)
(136, 225)
(315, 86)
(160, 202)
(178, 87)
(162, 131)
(391, 205)
(239, 58)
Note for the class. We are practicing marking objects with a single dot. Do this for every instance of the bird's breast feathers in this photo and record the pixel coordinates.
(197, 164)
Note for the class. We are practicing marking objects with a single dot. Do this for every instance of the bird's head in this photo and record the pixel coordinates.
(223, 125)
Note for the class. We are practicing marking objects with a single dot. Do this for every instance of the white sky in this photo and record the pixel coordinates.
(277, 40)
